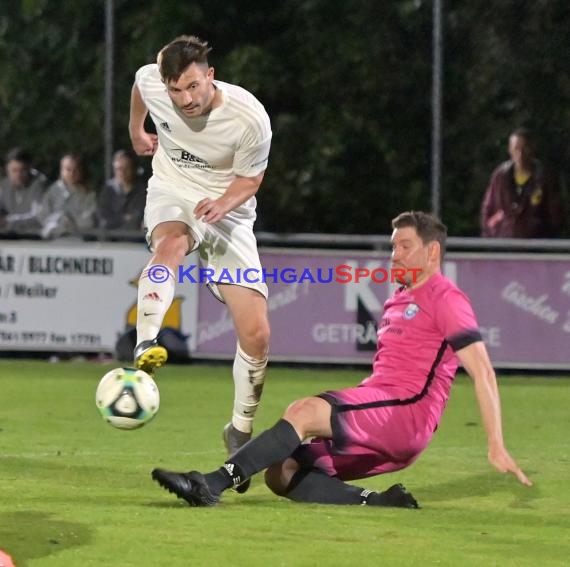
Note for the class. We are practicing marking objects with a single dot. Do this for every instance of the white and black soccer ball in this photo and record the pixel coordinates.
(127, 398)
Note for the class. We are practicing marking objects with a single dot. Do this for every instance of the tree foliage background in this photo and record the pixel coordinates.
(347, 85)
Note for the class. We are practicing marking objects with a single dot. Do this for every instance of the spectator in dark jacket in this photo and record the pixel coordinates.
(123, 197)
(522, 200)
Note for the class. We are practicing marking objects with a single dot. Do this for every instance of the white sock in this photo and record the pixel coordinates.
(249, 376)
(154, 299)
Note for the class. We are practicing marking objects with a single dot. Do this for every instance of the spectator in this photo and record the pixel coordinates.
(69, 205)
(21, 194)
(123, 198)
(522, 200)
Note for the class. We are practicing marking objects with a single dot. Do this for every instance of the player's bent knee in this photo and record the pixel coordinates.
(299, 408)
(172, 246)
(256, 342)
(311, 417)
(261, 339)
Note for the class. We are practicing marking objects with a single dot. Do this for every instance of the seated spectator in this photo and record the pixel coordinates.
(522, 200)
(123, 198)
(69, 205)
(21, 194)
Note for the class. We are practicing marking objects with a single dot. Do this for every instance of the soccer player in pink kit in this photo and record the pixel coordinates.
(385, 423)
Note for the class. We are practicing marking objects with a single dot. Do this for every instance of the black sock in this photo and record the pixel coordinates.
(218, 481)
(316, 486)
(272, 446)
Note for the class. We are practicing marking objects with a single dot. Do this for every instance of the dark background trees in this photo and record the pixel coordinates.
(346, 83)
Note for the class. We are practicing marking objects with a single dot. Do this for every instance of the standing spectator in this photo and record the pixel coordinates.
(69, 205)
(21, 194)
(123, 198)
(522, 200)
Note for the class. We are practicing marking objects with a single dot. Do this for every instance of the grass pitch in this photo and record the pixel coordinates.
(74, 492)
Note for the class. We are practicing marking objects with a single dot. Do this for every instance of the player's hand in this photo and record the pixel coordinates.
(210, 210)
(144, 144)
(504, 463)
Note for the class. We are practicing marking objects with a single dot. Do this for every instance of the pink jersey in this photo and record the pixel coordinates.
(384, 424)
(419, 332)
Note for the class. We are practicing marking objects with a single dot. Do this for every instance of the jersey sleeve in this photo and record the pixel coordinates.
(252, 154)
(456, 320)
(142, 77)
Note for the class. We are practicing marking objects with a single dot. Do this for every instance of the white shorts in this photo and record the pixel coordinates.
(227, 248)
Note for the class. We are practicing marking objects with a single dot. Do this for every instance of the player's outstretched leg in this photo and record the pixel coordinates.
(190, 486)
(149, 355)
(268, 448)
(234, 439)
(313, 485)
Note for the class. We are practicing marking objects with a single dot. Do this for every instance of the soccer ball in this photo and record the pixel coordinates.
(127, 398)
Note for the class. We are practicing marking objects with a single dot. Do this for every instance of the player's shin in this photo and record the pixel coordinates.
(315, 486)
(155, 294)
(249, 377)
(270, 447)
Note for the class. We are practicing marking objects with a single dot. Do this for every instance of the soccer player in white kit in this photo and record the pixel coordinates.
(209, 157)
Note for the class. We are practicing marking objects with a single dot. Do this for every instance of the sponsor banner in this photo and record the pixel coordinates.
(522, 303)
(76, 297)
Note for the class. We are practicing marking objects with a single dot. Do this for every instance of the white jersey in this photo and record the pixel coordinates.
(203, 155)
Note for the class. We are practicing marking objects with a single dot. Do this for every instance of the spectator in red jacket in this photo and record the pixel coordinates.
(522, 200)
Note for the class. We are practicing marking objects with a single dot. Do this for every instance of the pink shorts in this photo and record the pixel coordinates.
(373, 433)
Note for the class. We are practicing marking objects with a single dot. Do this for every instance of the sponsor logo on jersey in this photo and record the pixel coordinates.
(190, 158)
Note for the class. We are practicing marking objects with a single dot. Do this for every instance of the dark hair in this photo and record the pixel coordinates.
(527, 135)
(428, 227)
(19, 154)
(175, 57)
(127, 154)
(78, 160)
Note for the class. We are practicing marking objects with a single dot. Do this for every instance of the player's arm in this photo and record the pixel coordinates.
(144, 144)
(238, 192)
(476, 362)
(491, 213)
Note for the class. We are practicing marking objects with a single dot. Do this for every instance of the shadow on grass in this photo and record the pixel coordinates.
(32, 535)
(480, 485)
(241, 501)
(174, 503)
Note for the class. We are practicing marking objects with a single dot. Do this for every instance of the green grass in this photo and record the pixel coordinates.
(74, 492)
